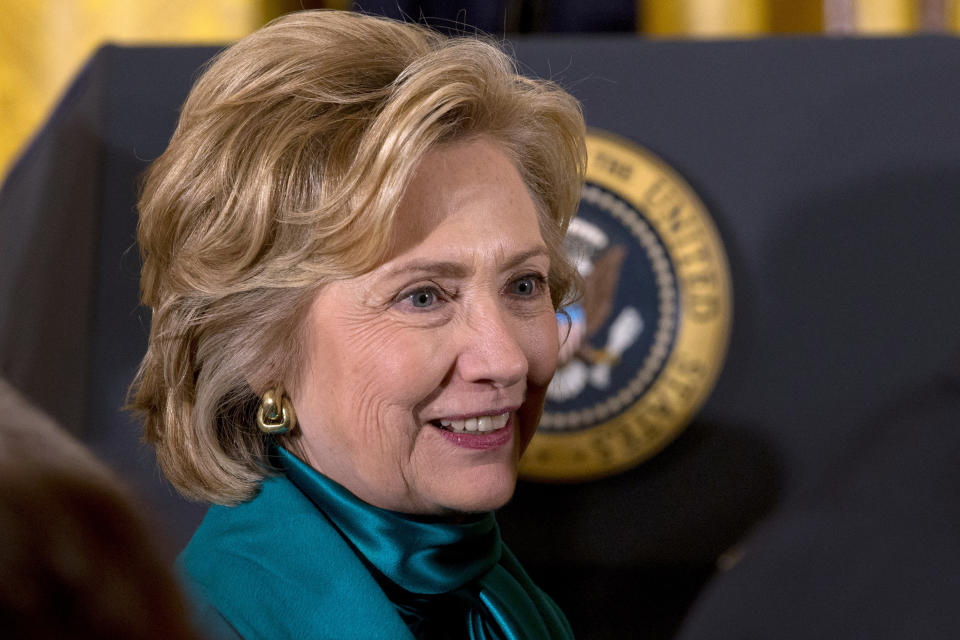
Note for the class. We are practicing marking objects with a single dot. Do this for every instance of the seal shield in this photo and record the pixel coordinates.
(641, 351)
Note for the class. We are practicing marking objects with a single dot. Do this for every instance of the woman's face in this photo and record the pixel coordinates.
(424, 378)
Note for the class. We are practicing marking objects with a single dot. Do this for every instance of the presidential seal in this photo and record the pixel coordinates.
(642, 349)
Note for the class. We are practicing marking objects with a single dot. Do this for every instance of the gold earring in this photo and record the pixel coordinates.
(275, 415)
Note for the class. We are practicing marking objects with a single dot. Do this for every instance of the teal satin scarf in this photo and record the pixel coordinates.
(437, 573)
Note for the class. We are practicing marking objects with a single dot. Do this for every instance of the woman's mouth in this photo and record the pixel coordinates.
(479, 424)
(479, 432)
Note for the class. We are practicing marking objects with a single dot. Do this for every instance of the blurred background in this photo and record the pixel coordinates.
(44, 42)
(814, 494)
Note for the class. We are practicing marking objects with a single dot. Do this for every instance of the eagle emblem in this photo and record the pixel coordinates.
(587, 356)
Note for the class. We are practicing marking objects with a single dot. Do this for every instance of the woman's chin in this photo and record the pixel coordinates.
(477, 494)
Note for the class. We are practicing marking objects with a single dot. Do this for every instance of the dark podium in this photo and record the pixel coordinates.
(824, 458)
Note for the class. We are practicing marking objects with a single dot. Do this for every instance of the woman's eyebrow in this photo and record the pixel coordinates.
(450, 269)
(519, 258)
(441, 268)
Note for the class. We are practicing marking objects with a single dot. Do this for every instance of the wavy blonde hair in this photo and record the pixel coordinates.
(290, 157)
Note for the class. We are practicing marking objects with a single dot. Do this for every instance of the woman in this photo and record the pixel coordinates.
(352, 252)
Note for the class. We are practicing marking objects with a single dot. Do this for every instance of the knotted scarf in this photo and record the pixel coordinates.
(455, 580)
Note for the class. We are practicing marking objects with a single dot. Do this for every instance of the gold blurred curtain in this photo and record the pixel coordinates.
(44, 42)
(704, 18)
(747, 18)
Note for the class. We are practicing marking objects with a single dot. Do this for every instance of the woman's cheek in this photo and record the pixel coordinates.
(542, 344)
(545, 349)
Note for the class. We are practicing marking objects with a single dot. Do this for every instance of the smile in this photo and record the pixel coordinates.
(479, 424)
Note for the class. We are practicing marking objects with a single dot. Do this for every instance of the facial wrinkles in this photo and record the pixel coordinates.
(369, 342)
(358, 334)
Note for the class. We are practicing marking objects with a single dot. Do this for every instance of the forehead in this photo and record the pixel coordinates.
(465, 194)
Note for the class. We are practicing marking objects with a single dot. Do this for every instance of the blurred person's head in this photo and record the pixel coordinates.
(76, 559)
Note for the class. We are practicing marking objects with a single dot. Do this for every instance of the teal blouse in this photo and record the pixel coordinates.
(307, 559)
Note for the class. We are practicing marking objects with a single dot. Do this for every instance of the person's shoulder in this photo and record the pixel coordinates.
(276, 563)
(267, 541)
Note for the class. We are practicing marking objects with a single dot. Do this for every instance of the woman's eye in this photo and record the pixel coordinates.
(422, 299)
(526, 286)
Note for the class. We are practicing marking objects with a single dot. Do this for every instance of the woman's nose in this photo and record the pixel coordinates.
(492, 352)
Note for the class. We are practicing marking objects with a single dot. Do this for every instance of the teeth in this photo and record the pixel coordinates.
(481, 424)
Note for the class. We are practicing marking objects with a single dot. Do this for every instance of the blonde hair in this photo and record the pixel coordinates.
(285, 170)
